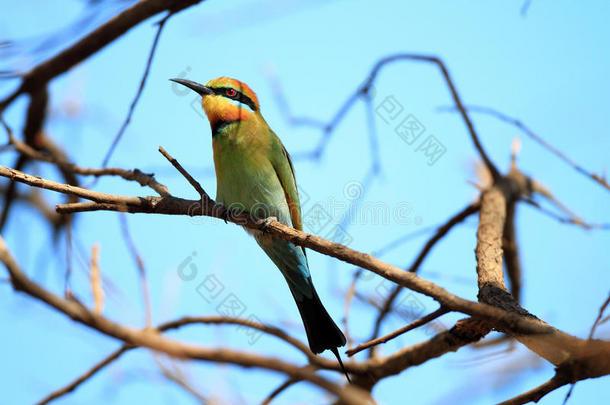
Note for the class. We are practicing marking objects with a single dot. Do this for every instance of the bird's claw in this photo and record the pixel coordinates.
(266, 222)
(224, 215)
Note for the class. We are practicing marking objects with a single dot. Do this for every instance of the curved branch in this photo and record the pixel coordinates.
(454, 94)
(177, 206)
(176, 324)
(527, 131)
(93, 42)
(131, 175)
(90, 373)
(132, 107)
(281, 388)
(537, 393)
(153, 340)
(415, 324)
(438, 235)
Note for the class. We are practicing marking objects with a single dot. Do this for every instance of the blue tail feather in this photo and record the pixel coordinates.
(322, 332)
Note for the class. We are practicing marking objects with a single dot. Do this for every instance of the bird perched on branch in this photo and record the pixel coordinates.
(254, 173)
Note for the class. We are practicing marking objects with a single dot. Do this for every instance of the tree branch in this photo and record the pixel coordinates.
(93, 42)
(537, 393)
(527, 131)
(454, 94)
(131, 175)
(415, 324)
(132, 107)
(152, 340)
(177, 206)
(413, 268)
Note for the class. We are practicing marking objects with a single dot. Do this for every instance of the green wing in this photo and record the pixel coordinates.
(280, 159)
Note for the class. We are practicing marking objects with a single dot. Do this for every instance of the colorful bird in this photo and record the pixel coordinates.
(254, 173)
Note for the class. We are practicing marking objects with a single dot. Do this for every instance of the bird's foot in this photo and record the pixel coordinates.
(266, 222)
(224, 215)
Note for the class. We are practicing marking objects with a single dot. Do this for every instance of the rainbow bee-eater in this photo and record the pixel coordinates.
(254, 173)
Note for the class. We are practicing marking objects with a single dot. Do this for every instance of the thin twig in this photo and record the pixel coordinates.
(510, 249)
(599, 317)
(363, 91)
(33, 135)
(284, 106)
(527, 131)
(140, 266)
(96, 280)
(91, 43)
(176, 324)
(454, 94)
(176, 376)
(414, 267)
(415, 324)
(537, 393)
(281, 388)
(178, 206)
(220, 320)
(186, 174)
(68, 273)
(565, 220)
(132, 107)
(90, 373)
(555, 347)
(349, 295)
(132, 175)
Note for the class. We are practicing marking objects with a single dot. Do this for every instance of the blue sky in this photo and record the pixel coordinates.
(549, 69)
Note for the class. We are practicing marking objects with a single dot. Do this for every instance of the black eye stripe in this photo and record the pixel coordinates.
(239, 96)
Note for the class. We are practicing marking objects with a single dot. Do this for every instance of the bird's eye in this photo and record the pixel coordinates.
(231, 92)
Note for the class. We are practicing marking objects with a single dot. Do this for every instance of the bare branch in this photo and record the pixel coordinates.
(565, 220)
(523, 128)
(422, 321)
(177, 376)
(464, 332)
(154, 341)
(178, 323)
(178, 206)
(537, 393)
(281, 388)
(132, 175)
(96, 281)
(186, 175)
(454, 93)
(511, 252)
(139, 265)
(33, 134)
(489, 241)
(363, 91)
(351, 291)
(90, 373)
(599, 317)
(93, 42)
(548, 342)
(413, 268)
(132, 107)
(556, 347)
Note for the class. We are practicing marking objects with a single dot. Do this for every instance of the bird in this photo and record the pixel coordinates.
(255, 174)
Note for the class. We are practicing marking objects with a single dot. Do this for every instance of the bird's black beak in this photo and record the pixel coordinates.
(196, 87)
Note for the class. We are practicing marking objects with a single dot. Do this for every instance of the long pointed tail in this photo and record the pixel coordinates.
(322, 332)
